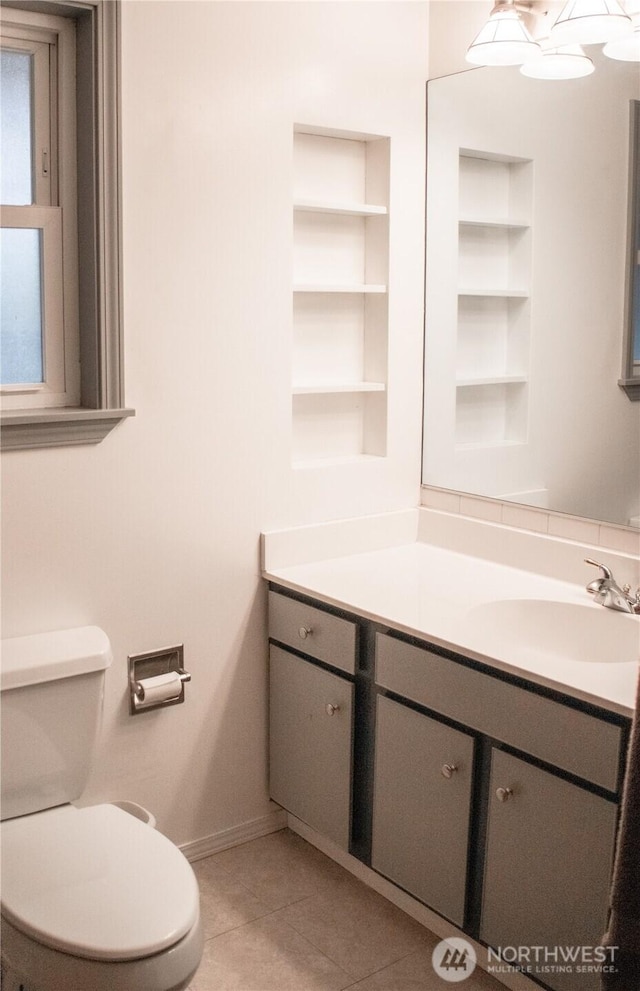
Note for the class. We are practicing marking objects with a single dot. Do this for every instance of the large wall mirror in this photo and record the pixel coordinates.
(527, 260)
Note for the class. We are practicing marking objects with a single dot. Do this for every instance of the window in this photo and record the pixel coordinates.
(39, 329)
(60, 340)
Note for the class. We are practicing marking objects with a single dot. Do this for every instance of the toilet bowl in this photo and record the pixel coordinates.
(93, 898)
(49, 970)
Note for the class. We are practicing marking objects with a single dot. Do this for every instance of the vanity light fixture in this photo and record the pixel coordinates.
(557, 54)
(565, 62)
(504, 39)
(589, 22)
(627, 47)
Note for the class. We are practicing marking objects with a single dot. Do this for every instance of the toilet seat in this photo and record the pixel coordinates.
(96, 883)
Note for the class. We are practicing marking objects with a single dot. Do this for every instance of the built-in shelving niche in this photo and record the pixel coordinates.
(340, 297)
(494, 308)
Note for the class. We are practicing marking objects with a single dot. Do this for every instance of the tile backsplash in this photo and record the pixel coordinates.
(615, 538)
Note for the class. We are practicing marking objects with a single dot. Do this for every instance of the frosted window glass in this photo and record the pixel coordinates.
(20, 306)
(16, 184)
(635, 323)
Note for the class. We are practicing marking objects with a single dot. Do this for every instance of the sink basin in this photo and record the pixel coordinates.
(566, 631)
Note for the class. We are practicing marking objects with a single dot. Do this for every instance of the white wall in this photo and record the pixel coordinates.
(453, 24)
(153, 534)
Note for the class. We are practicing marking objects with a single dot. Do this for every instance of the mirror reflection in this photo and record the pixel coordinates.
(527, 220)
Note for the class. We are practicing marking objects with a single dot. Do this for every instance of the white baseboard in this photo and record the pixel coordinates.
(431, 920)
(235, 835)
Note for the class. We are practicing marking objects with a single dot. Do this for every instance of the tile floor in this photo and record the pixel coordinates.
(280, 916)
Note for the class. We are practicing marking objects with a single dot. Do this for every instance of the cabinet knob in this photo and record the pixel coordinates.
(331, 709)
(304, 632)
(448, 770)
(504, 794)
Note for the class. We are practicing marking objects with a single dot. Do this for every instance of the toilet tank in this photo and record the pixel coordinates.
(51, 690)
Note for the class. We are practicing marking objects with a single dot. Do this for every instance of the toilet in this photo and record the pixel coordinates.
(91, 897)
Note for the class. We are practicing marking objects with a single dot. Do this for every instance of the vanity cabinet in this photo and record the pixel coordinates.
(422, 805)
(492, 800)
(545, 839)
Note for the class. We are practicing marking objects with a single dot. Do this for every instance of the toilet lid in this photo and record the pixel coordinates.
(96, 883)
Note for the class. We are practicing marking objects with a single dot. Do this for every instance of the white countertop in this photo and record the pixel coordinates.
(518, 621)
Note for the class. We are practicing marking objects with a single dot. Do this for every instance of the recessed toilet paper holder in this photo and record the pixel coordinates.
(156, 679)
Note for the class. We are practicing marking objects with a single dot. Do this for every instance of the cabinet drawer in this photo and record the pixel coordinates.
(579, 743)
(313, 631)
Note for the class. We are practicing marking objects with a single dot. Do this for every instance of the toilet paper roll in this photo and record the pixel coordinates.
(161, 688)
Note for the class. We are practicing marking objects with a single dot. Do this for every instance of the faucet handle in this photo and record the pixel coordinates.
(634, 601)
(606, 572)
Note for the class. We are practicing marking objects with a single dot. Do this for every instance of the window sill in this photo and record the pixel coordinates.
(631, 386)
(27, 429)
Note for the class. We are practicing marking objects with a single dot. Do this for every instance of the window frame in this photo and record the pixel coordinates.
(99, 297)
(630, 379)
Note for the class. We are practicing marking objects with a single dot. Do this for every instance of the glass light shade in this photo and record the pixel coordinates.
(590, 22)
(626, 48)
(504, 40)
(568, 62)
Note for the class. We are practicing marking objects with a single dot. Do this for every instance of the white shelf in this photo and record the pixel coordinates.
(317, 390)
(502, 223)
(491, 380)
(493, 327)
(340, 308)
(323, 287)
(498, 293)
(352, 209)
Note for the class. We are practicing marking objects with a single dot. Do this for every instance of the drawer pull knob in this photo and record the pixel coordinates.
(304, 632)
(331, 709)
(504, 794)
(448, 770)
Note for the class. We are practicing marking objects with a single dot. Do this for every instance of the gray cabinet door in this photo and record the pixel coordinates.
(549, 855)
(421, 816)
(311, 730)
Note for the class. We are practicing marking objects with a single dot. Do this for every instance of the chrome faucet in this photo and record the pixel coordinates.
(609, 594)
